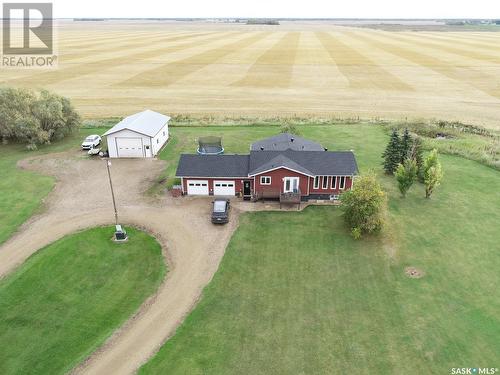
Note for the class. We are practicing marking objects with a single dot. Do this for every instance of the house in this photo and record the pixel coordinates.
(141, 135)
(283, 166)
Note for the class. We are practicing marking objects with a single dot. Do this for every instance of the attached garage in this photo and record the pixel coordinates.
(129, 147)
(224, 188)
(226, 175)
(197, 187)
(138, 136)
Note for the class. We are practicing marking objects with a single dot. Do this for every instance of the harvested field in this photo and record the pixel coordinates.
(319, 69)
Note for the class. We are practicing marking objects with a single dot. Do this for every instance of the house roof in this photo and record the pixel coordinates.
(213, 166)
(147, 122)
(312, 163)
(286, 141)
(262, 161)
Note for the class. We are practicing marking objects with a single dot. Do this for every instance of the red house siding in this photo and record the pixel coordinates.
(306, 183)
(329, 190)
(277, 183)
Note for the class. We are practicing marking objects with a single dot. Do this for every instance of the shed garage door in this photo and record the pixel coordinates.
(197, 187)
(129, 147)
(224, 188)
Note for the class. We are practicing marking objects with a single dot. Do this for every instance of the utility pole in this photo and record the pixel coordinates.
(108, 164)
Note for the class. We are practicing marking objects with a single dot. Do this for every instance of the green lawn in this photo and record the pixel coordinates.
(296, 295)
(65, 300)
(22, 191)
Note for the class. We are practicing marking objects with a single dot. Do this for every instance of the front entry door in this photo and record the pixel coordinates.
(291, 184)
(246, 189)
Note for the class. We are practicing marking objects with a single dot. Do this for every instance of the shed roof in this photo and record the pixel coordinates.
(147, 122)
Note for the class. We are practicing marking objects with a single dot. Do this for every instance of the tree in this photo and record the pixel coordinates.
(364, 205)
(14, 106)
(417, 154)
(392, 153)
(405, 146)
(406, 174)
(433, 173)
(35, 118)
(287, 127)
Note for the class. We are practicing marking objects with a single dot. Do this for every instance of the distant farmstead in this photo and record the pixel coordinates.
(285, 167)
(141, 135)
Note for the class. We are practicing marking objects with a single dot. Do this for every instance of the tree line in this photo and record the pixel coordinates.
(403, 158)
(35, 117)
(365, 204)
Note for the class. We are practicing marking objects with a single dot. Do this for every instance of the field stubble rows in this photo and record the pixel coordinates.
(112, 69)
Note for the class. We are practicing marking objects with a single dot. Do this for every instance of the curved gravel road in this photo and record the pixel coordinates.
(192, 246)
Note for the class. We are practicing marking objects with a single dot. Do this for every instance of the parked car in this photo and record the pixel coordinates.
(91, 141)
(220, 211)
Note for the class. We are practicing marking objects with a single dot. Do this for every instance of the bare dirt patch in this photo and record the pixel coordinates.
(414, 273)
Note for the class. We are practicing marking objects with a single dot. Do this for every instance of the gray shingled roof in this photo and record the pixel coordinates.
(286, 141)
(212, 166)
(313, 163)
(147, 122)
(273, 160)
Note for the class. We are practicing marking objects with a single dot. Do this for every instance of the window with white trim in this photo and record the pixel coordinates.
(334, 182)
(265, 180)
(316, 182)
(324, 184)
(342, 183)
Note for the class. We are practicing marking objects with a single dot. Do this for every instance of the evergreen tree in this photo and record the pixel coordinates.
(405, 146)
(392, 153)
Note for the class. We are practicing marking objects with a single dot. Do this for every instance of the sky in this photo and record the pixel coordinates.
(276, 8)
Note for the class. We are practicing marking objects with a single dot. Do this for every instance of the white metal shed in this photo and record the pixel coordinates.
(141, 135)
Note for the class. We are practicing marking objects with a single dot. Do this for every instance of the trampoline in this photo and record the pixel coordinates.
(210, 146)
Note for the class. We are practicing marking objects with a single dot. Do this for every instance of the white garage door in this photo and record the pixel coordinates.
(129, 147)
(197, 187)
(224, 188)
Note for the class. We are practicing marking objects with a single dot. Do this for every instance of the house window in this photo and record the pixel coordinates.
(324, 185)
(342, 183)
(265, 180)
(334, 182)
(157, 141)
(316, 182)
(163, 133)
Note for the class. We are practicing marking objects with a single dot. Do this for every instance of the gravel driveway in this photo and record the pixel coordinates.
(192, 246)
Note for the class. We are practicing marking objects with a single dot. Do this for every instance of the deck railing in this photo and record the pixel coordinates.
(292, 197)
(266, 194)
